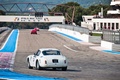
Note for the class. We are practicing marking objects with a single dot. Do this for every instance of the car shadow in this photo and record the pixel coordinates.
(68, 70)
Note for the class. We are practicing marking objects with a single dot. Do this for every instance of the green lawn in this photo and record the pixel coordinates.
(96, 34)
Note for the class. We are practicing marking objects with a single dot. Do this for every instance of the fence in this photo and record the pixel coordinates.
(71, 27)
(111, 36)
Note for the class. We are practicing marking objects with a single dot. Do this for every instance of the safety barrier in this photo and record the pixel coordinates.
(75, 31)
(71, 27)
(2, 29)
(4, 32)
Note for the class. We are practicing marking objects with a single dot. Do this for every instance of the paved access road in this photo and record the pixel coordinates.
(83, 63)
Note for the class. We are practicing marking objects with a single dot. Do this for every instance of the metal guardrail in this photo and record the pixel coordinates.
(111, 36)
(4, 32)
(72, 27)
(2, 29)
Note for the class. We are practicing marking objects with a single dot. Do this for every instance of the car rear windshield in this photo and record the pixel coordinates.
(51, 52)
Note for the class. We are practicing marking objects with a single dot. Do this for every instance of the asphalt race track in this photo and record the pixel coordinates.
(7, 55)
(83, 62)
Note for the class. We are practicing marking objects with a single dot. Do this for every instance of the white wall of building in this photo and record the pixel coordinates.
(88, 25)
(95, 23)
(111, 21)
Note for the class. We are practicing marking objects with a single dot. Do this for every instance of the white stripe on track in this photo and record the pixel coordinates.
(70, 48)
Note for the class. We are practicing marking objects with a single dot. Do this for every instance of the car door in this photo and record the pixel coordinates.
(35, 57)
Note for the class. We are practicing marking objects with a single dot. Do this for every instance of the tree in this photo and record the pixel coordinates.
(95, 9)
(79, 11)
(2, 12)
(70, 10)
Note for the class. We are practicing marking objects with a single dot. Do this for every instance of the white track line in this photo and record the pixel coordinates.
(70, 48)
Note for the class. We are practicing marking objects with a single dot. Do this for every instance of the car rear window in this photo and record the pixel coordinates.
(51, 52)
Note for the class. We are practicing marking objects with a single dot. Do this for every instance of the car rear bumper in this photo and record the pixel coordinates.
(53, 65)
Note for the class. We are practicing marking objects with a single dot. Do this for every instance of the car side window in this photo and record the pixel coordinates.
(37, 53)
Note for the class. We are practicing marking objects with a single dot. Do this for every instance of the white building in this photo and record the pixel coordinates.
(111, 21)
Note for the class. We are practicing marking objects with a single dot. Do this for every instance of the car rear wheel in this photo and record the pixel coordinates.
(64, 68)
(29, 66)
(37, 66)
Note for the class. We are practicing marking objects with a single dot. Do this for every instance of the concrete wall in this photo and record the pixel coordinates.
(75, 34)
(80, 35)
(110, 45)
(116, 47)
(95, 39)
(86, 37)
(106, 44)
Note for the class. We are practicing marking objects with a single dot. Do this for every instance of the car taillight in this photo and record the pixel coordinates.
(45, 62)
(65, 61)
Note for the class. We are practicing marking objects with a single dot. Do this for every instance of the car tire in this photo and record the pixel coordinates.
(64, 68)
(29, 66)
(37, 65)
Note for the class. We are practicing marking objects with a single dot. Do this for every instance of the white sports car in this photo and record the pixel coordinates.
(47, 58)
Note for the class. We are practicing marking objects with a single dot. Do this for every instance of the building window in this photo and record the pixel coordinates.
(108, 25)
(112, 26)
(117, 26)
(89, 19)
(105, 26)
(94, 27)
(101, 26)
